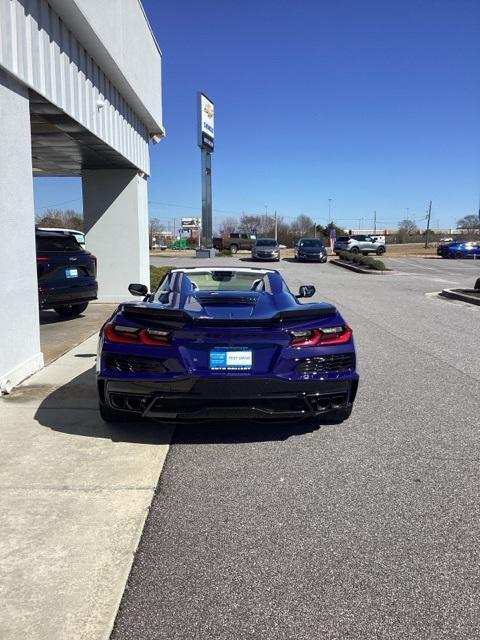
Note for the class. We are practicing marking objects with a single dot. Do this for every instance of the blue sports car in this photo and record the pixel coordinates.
(459, 250)
(225, 343)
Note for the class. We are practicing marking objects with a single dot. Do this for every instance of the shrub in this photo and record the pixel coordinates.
(362, 261)
(156, 275)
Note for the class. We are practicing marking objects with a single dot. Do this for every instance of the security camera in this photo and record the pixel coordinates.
(156, 137)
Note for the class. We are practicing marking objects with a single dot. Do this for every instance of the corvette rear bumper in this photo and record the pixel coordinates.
(229, 398)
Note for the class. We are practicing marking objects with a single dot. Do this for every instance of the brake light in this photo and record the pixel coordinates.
(42, 258)
(320, 337)
(136, 335)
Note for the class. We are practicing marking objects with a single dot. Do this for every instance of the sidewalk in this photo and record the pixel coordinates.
(74, 494)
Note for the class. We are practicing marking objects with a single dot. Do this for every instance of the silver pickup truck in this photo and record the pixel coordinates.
(360, 244)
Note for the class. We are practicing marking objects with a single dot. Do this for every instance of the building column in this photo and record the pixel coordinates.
(115, 210)
(20, 353)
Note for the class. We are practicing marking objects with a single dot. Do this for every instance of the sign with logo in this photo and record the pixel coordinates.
(190, 223)
(206, 122)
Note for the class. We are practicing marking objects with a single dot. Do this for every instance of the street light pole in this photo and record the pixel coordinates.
(329, 210)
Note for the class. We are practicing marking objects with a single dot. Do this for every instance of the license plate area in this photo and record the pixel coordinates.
(227, 359)
(71, 272)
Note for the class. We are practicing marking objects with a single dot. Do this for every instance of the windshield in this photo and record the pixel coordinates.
(222, 281)
(310, 243)
(266, 242)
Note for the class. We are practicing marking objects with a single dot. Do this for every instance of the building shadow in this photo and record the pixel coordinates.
(72, 409)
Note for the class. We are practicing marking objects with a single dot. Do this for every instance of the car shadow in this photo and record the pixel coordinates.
(259, 261)
(51, 317)
(72, 409)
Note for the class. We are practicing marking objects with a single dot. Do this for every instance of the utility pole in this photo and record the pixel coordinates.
(374, 222)
(428, 223)
(314, 229)
(276, 228)
(329, 210)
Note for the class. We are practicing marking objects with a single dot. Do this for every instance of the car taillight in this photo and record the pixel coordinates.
(320, 337)
(42, 258)
(136, 335)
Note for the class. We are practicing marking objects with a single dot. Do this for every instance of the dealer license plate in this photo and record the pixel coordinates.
(71, 273)
(231, 360)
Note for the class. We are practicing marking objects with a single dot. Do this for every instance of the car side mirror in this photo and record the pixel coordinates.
(306, 291)
(138, 289)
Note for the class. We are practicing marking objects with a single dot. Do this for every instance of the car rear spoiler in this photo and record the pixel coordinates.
(179, 318)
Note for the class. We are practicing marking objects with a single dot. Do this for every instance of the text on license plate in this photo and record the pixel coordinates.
(71, 273)
(224, 359)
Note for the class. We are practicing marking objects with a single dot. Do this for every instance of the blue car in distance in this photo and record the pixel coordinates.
(225, 343)
(459, 250)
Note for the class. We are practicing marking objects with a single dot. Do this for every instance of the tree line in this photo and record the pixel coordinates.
(287, 232)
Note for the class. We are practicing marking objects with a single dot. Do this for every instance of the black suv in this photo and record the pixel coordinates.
(66, 274)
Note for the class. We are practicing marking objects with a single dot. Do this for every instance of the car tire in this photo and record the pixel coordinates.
(354, 250)
(233, 248)
(112, 416)
(458, 255)
(295, 258)
(477, 284)
(380, 251)
(71, 310)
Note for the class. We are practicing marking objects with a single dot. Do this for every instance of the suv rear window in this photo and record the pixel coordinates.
(343, 239)
(64, 244)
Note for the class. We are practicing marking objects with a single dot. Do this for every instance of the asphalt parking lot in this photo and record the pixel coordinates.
(369, 529)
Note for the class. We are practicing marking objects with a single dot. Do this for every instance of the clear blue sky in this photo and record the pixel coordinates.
(374, 104)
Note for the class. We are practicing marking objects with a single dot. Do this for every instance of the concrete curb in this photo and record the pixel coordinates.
(460, 294)
(351, 267)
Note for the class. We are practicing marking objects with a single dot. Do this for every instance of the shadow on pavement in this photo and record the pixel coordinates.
(51, 317)
(72, 409)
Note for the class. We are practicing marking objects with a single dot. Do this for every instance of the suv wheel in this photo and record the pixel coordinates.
(354, 250)
(380, 251)
(458, 255)
(71, 310)
(233, 248)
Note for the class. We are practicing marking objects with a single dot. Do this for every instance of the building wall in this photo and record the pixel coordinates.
(41, 50)
(138, 57)
(19, 319)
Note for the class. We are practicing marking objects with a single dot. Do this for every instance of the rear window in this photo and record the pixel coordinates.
(343, 239)
(64, 244)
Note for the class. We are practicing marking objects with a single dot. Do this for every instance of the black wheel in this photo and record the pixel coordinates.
(458, 255)
(477, 284)
(112, 416)
(354, 250)
(233, 248)
(295, 257)
(71, 310)
(380, 251)
(277, 260)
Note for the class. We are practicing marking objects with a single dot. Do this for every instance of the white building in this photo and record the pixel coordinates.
(80, 95)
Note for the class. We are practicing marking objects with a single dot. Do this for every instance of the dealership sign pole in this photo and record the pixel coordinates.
(206, 136)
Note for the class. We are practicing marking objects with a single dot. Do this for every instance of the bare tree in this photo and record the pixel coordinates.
(471, 224)
(228, 225)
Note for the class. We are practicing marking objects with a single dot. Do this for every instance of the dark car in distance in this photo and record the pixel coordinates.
(459, 250)
(67, 274)
(311, 249)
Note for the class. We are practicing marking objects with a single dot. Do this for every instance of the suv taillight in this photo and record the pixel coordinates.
(320, 337)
